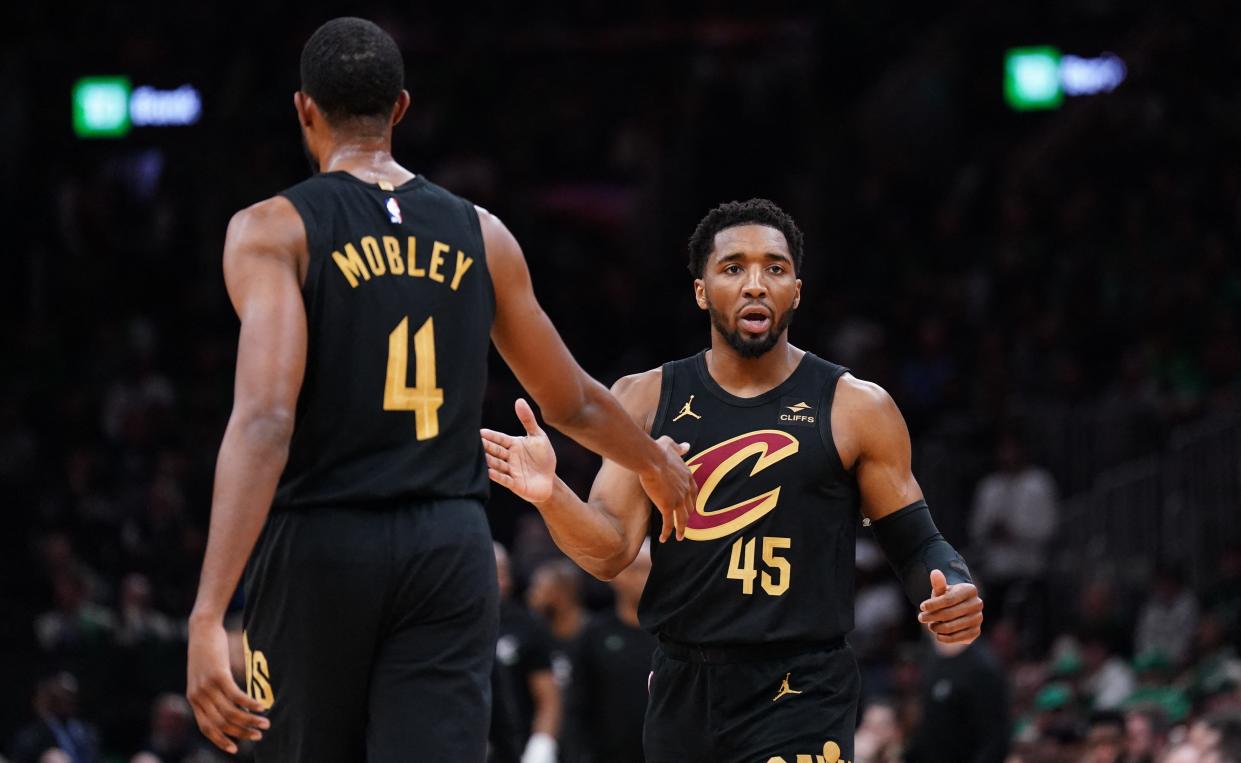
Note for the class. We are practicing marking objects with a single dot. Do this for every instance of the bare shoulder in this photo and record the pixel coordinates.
(271, 227)
(497, 238)
(639, 395)
(861, 397)
(865, 420)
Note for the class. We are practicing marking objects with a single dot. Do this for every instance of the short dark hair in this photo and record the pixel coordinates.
(352, 69)
(734, 213)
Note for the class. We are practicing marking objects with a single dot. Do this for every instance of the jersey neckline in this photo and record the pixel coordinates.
(704, 375)
(415, 180)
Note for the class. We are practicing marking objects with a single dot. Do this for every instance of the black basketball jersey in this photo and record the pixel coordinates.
(399, 306)
(768, 553)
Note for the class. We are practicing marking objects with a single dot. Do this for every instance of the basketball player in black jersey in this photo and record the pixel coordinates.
(367, 297)
(787, 449)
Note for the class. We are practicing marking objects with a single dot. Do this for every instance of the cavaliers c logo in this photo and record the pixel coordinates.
(709, 469)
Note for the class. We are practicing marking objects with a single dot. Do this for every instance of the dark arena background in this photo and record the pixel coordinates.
(1023, 220)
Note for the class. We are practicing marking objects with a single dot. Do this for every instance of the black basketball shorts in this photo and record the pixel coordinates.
(370, 633)
(765, 704)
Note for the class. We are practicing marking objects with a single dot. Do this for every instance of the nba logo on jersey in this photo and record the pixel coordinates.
(394, 209)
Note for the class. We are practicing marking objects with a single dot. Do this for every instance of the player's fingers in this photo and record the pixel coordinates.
(209, 725)
(666, 530)
(683, 448)
(680, 518)
(939, 583)
(949, 627)
(953, 612)
(959, 637)
(500, 479)
(495, 449)
(526, 415)
(499, 438)
(497, 464)
(240, 699)
(954, 595)
(248, 722)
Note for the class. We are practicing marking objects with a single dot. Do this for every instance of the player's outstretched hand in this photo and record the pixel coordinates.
(223, 711)
(954, 612)
(671, 488)
(526, 465)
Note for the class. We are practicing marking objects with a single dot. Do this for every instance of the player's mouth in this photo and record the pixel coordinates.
(754, 319)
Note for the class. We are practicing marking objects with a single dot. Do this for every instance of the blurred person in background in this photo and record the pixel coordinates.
(369, 299)
(1105, 738)
(1014, 516)
(752, 653)
(611, 665)
(77, 625)
(879, 737)
(1169, 617)
(56, 725)
(555, 594)
(966, 715)
(1146, 734)
(1217, 736)
(1107, 679)
(139, 621)
(524, 654)
(173, 737)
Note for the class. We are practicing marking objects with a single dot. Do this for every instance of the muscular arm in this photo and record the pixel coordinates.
(872, 438)
(262, 252)
(261, 273)
(568, 398)
(604, 533)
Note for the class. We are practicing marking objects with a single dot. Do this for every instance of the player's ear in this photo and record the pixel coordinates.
(402, 105)
(797, 294)
(700, 293)
(301, 103)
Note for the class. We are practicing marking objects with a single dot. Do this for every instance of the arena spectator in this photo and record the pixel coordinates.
(57, 726)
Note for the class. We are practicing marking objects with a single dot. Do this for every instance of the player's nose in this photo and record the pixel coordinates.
(754, 287)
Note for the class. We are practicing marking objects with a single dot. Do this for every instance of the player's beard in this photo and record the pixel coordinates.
(750, 348)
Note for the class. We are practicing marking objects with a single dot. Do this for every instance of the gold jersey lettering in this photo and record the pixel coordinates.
(437, 259)
(392, 248)
(374, 257)
(258, 674)
(351, 265)
(463, 264)
(411, 256)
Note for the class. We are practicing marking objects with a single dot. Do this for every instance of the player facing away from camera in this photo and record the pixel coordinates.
(368, 297)
(751, 613)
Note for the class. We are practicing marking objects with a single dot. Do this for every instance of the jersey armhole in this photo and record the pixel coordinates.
(665, 394)
(825, 424)
(475, 224)
(314, 243)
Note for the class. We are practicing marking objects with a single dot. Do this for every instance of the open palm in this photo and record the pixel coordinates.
(526, 465)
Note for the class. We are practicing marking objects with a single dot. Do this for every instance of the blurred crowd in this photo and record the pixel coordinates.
(1045, 295)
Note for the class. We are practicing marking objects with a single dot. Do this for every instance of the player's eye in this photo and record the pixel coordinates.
(776, 269)
(732, 269)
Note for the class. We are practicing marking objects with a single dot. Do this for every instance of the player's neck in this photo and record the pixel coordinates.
(367, 158)
(627, 612)
(749, 377)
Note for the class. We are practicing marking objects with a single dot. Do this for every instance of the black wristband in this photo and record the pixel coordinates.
(914, 547)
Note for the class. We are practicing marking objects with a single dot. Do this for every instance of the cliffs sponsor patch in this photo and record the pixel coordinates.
(795, 411)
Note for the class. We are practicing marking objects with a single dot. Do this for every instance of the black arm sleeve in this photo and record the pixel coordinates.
(914, 547)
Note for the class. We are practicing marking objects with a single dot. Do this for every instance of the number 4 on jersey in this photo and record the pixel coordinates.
(424, 398)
